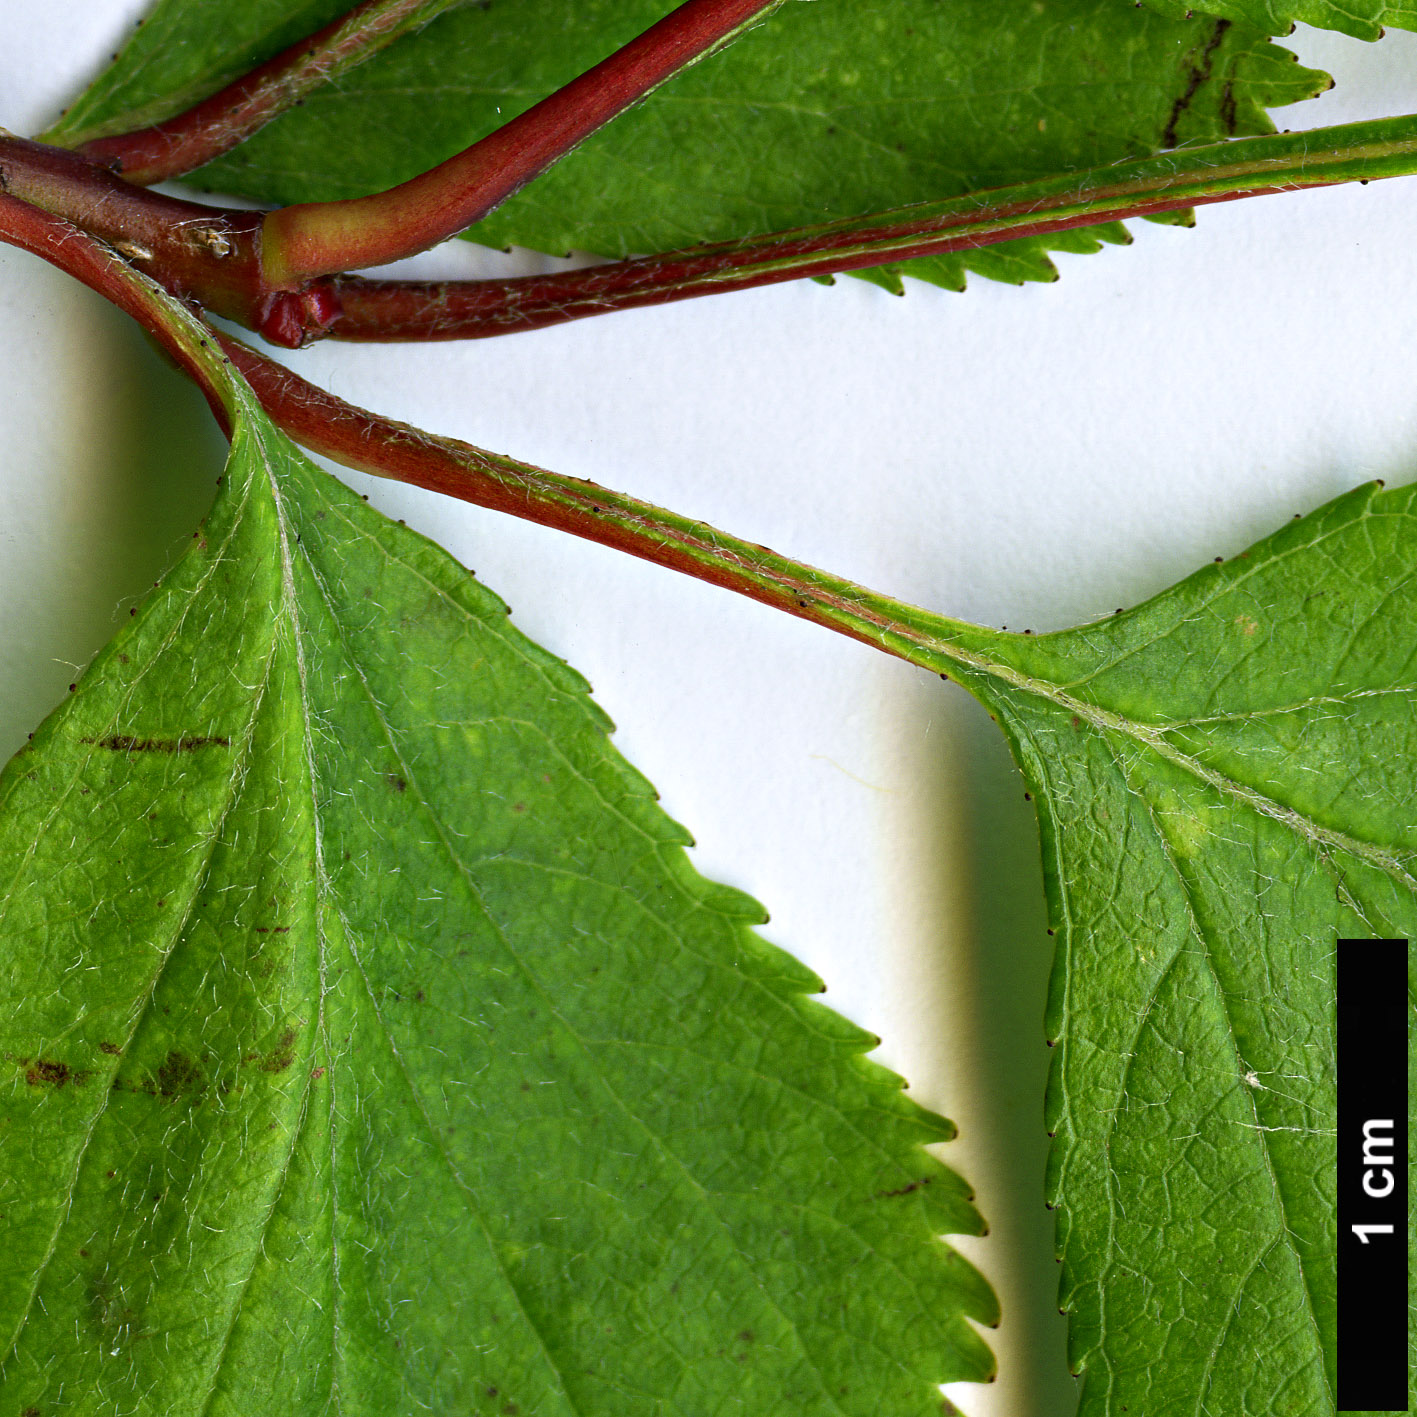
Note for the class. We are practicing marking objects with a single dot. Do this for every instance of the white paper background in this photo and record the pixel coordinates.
(1026, 457)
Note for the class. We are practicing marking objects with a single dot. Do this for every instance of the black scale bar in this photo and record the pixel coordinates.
(1372, 1176)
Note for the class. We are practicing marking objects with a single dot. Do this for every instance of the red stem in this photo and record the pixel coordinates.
(194, 249)
(402, 311)
(228, 117)
(365, 441)
(196, 252)
(314, 239)
(101, 269)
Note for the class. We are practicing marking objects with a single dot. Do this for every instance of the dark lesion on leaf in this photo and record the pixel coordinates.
(905, 1190)
(1200, 71)
(127, 743)
(47, 1072)
(282, 1055)
(1229, 115)
(277, 1059)
(176, 1076)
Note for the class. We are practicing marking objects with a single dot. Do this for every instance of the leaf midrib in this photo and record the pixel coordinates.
(328, 897)
(1391, 862)
(465, 873)
(660, 1146)
(297, 1132)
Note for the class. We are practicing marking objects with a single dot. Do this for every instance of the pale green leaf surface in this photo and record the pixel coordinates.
(369, 1043)
(1226, 781)
(830, 109)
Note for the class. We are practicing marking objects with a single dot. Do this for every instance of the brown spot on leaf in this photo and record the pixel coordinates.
(905, 1190)
(177, 1074)
(282, 1055)
(110, 1048)
(396, 782)
(1199, 73)
(1229, 116)
(44, 1072)
(127, 743)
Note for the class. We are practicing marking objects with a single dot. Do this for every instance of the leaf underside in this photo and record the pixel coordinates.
(830, 109)
(1226, 779)
(369, 1043)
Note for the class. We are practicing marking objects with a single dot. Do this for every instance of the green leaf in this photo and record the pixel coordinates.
(1225, 778)
(828, 110)
(1363, 19)
(181, 52)
(369, 1041)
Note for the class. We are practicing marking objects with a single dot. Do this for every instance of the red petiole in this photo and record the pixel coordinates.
(233, 114)
(322, 238)
(282, 272)
(366, 441)
(269, 271)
